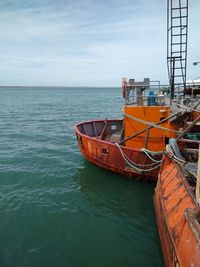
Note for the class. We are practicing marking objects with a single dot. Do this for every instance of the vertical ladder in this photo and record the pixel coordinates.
(177, 32)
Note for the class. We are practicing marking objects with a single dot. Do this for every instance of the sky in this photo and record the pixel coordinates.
(88, 42)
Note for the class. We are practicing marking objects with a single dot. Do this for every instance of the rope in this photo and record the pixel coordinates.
(170, 152)
(132, 164)
(137, 164)
(152, 152)
(154, 160)
(149, 123)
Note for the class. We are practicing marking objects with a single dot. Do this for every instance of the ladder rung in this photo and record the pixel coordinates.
(179, 17)
(178, 52)
(175, 52)
(177, 8)
(179, 26)
(181, 34)
(178, 76)
(176, 59)
(178, 43)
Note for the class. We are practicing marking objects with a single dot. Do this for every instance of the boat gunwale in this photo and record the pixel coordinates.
(101, 140)
(184, 179)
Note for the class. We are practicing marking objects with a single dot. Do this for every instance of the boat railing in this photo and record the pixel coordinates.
(192, 87)
(153, 93)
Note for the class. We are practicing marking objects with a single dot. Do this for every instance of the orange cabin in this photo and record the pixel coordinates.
(155, 138)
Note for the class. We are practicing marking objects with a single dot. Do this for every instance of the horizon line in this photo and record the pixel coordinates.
(61, 86)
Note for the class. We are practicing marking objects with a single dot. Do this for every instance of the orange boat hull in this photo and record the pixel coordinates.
(108, 156)
(177, 214)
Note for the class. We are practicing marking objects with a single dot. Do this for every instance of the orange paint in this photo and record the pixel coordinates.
(107, 155)
(152, 114)
(173, 200)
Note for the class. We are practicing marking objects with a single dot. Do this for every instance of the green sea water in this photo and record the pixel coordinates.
(56, 209)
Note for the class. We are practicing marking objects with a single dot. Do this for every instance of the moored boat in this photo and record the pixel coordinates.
(132, 146)
(103, 150)
(177, 198)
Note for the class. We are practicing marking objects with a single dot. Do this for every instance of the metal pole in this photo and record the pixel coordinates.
(172, 79)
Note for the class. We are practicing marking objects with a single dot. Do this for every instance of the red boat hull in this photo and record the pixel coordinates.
(108, 156)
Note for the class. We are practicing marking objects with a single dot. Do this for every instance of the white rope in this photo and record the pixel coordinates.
(137, 164)
(154, 160)
(132, 164)
(149, 123)
(170, 152)
(152, 152)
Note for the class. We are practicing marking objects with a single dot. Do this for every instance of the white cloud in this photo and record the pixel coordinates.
(86, 42)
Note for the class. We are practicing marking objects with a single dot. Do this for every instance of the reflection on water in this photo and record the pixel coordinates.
(127, 205)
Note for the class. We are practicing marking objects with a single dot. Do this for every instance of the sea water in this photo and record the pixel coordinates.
(56, 209)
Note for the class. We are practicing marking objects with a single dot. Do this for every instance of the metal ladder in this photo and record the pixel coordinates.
(177, 33)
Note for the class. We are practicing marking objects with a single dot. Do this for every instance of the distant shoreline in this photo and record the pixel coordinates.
(59, 87)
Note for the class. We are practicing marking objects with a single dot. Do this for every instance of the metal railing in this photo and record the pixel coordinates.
(155, 94)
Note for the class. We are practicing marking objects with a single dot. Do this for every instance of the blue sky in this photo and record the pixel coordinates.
(87, 42)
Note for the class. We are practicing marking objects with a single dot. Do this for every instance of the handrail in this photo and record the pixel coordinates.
(188, 128)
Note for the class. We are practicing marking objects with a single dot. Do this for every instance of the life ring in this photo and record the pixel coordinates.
(124, 89)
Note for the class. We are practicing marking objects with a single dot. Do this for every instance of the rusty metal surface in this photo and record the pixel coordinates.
(107, 155)
(175, 207)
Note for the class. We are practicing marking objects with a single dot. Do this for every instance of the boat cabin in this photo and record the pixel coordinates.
(146, 104)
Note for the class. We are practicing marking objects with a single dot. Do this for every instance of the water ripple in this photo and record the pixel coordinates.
(54, 205)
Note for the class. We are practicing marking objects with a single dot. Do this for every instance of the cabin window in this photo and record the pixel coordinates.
(104, 151)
